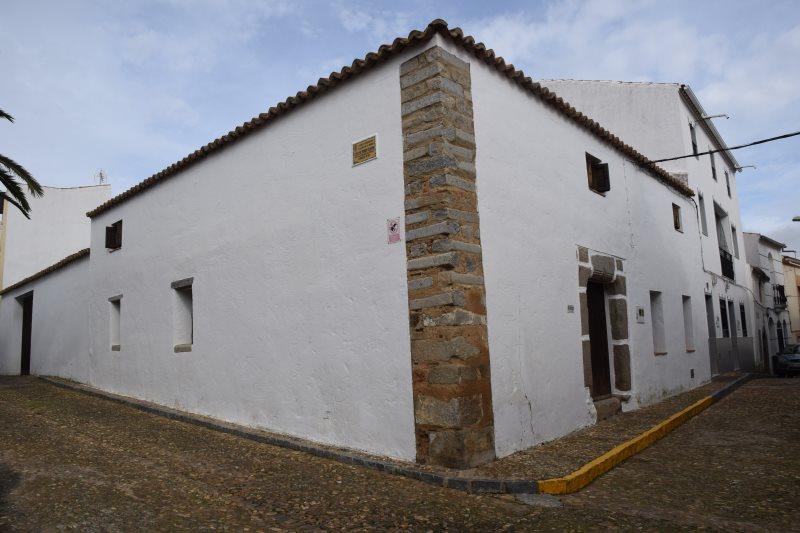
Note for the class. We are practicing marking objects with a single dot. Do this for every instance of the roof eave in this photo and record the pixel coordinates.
(697, 110)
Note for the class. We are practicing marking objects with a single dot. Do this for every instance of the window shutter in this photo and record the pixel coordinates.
(110, 237)
(118, 234)
(600, 177)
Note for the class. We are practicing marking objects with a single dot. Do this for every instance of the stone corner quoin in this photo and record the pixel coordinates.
(447, 307)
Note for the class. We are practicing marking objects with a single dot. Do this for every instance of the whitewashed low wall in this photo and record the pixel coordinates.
(59, 333)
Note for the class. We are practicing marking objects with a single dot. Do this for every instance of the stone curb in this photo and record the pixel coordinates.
(581, 477)
(564, 485)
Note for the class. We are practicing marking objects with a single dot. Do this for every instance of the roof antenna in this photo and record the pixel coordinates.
(101, 177)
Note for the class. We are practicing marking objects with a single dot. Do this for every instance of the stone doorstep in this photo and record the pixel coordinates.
(454, 479)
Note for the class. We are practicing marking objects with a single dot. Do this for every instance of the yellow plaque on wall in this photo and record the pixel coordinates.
(365, 150)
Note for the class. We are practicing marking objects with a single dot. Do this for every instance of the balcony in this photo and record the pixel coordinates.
(726, 260)
(779, 295)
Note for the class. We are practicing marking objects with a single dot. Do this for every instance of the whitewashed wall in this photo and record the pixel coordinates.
(59, 328)
(535, 208)
(58, 227)
(300, 305)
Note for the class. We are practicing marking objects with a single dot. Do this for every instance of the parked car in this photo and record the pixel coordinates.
(787, 364)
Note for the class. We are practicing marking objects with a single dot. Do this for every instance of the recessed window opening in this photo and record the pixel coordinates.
(693, 135)
(114, 321)
(723, 314)
(743, 320)
(597, 172)
(735, 240)
(676, 217)
(713, 164)
(114, 236)
(728, 183)
(657, 319)
(183, 315)
(703, 221)
(688, 326)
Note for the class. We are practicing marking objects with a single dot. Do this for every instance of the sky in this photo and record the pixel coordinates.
(131, 87)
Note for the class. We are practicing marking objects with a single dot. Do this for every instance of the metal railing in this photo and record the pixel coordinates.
(779, 295)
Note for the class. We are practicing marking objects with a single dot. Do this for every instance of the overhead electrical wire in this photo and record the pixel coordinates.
(762, 141)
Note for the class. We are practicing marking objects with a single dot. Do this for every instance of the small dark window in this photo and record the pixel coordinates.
(597, 172)
(676, 217)
(693, 134)
(713, 166)
(728, 183)
(743, 320)
(114, 235)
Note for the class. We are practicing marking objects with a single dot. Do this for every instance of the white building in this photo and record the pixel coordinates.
(665, 120)
(546, 274)
(58, 226)
(765, 256)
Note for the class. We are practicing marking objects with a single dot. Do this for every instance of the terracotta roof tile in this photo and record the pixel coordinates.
(52, 268)
(372, 59)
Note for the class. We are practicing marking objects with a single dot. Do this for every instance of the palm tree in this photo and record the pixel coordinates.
(11, 174)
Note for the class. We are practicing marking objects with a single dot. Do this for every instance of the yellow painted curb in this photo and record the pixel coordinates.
(581, 477)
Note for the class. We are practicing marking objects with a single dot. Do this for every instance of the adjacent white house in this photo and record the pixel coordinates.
(765, 257)
(427, 256)
(666, 120)
(58, 226)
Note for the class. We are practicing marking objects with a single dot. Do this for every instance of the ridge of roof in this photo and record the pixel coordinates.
(621, 82)
(52, 268)
(386, 51)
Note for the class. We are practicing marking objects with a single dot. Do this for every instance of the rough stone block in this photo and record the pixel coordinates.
(450, 277)
(425, 351)
(454, 214)
(438, 53)
(586, 347)
(408, 66)
(440, 228)
(583, 275)
(465, 448)
(438, 300)
(438, 97)
(619, 287)
(583, 254)
(618, 315)
(622, 367)
(447, 245)
(449, 259)
(412, 78)
(452, 413)
(602, 268)
(458, 317)
(451, 374)
(584, 308)
(453, 181)
(430, 164)
(416, 218)
(418, 284)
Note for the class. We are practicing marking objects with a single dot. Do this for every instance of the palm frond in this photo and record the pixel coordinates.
(6, 116)
(24, 175)
(14, 190)
(13, 202)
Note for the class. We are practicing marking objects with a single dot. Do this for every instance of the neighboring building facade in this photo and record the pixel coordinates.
(791, 278)
(667, 120)
(58, 226)
(528, 296)
(765, 255)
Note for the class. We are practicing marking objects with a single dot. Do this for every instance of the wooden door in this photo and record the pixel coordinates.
(598, 338)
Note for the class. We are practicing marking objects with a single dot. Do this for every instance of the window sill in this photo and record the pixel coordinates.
(598, 193)
(116, 348)
(659, 353)
(690, 350)
(179, 348)
(112, 250)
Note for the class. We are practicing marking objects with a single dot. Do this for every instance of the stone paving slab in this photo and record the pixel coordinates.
(562, 456)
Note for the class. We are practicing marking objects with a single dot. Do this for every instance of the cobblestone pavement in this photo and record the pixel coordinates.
(562, 456)
(71, 461)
